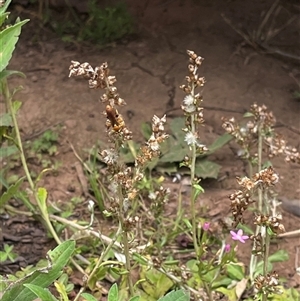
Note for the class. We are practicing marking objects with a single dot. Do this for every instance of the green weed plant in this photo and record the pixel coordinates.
(139, 240)
(102, 25)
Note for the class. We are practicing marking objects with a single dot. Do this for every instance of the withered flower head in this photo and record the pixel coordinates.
(100, 78)
(267, 284)
(152, 146)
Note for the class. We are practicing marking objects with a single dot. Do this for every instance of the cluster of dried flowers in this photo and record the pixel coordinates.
(99, 78)
(124, 179)
(263, 122)
(191, 104)
(241, 199)
(268, 284)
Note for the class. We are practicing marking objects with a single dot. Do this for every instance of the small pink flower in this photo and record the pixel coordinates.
(206, 226)
(239, 236)
(227, 248)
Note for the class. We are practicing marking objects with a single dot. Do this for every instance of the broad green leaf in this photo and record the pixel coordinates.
(229, 293)
(207, 169)
(176, 126)
(11, 191)
(8, 151)
(235, 271)
(59, 258)
(167, 168)
(179, 295)
(157, 283)
(8, 39)
(260, 268)
(173, 151)
(219, 143)
(222, 282)
(5, 120)
(279, 256)
(88, 297)
(126, 154)
(113, 293)
(146, 130)
(42, 293)
(6, 73)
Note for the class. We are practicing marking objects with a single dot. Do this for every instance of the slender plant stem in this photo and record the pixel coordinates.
(266, 256)
(253, 259)
(127, 263)
(125, 240)
(8, 100)
(192, 169)
(9, 105)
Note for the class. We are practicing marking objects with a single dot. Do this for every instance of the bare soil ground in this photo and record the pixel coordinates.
(150, 67)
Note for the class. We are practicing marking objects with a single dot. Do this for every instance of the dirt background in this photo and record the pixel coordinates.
(149, 67)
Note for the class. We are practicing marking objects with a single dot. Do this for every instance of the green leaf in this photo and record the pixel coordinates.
(248, 114)
(222, 282)
(5, 119)
(157, 283)
(88, 297)
(3, 17)
(235, 271)
(146, 130)
(113, 293)
(279, 256)
(207, 169)
(16, 106)
(260, 268)
(179, 295)
(42, 197)
(42, 293)
(6, 73)
(219, 143)
(4, 7)
(167, 168)
(229, 293)
(8, 151)
(59, 257)
(176, 126)
(197, 189)
(8, 39)
(11, 191)
(139, 258)
(136, 298)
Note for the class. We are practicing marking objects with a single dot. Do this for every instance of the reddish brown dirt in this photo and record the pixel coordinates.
(149, 69)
